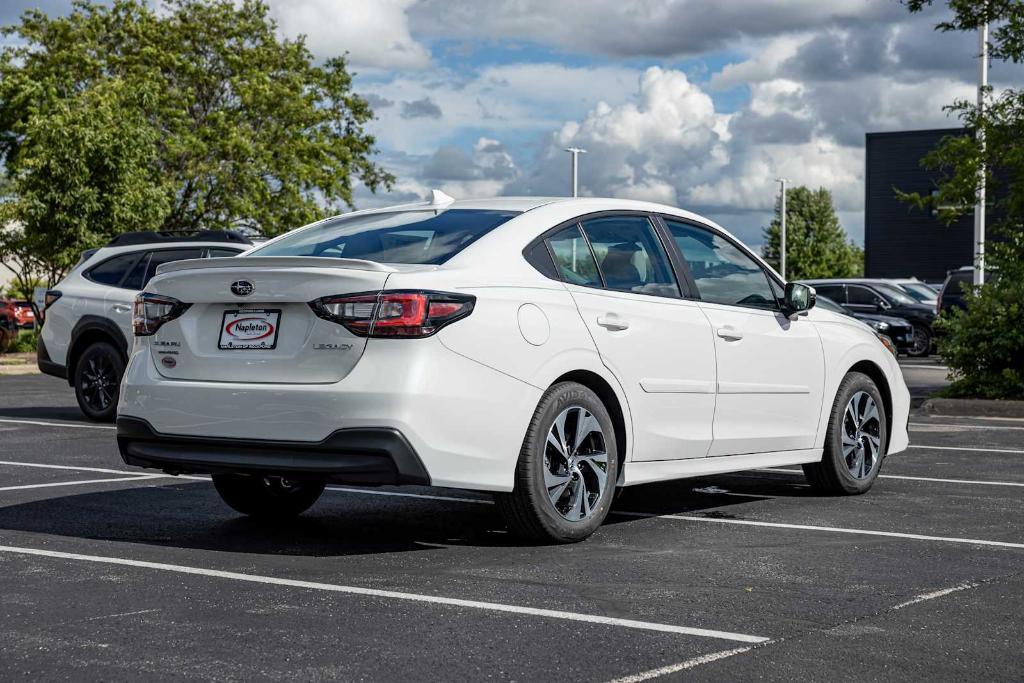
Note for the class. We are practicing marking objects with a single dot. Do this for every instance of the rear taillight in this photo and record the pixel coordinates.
(394, 314)
(151, 311)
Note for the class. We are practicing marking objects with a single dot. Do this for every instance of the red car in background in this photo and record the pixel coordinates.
(24, 315)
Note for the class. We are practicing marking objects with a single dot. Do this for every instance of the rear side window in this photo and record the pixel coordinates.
(630, 255)
(861, 296)
(427, 236)
(113, 270)
(573, 258)
(834, 292)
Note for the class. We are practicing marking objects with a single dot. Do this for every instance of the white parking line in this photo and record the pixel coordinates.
(831, 529)
(909, 478)
(410, 495)
(964, 448)
(962, 426)
(681, 666)
(395, 595)
(936, 594)
(67, 467)
(139, 477)
(47, 423)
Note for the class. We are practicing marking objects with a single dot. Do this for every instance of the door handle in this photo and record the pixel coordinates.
(612, 322)
(730, 333)
(122, 308)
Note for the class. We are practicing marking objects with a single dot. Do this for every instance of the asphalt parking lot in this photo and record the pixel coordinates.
(107, 572)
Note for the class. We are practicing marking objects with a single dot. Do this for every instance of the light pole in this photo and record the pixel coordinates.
(575, 152)
(979, 210)
(782, 227)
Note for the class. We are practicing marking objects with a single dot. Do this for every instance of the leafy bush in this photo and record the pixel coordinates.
(25, 342)
(984, 345)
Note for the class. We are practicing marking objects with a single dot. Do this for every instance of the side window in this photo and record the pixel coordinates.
(137, 277)
(167, 256)
(630, 255)
(539, 257)
(834, 292)
(573, 258)
(861, 295)
(723, 273)
(113, 270)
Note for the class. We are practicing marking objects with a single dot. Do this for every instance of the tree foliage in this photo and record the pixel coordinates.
(816, 244)
(984, 345)
(118, 117)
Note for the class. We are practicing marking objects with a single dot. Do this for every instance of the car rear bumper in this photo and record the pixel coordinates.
(350, 456)
(47, 366)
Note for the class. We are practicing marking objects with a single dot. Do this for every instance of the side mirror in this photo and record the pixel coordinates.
(798, 298)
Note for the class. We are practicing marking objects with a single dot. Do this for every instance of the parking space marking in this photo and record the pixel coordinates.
(138, 477)
(964, 448)
(401, 494)
(47, 423)
(830, 529)
(937, 594)
(68, 467)
(909, 478)
(963, 426)
(395, 595)
(681, 666)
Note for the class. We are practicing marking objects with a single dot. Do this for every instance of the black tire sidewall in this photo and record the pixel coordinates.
(559, 398)
(918, 328)
(834, 459)
(94, 351)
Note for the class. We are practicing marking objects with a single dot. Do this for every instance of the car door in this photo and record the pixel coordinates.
(655, 342)
(861, 299)
(770, 367)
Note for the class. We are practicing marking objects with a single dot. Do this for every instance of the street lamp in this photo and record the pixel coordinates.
(979, 210)
(575, 152)
(782, 227)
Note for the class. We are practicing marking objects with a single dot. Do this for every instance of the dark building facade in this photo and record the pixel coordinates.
(901, 240)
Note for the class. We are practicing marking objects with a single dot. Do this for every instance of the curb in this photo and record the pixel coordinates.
(973, 407)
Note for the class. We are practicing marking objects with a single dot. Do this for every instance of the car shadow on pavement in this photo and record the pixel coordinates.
(192, 516)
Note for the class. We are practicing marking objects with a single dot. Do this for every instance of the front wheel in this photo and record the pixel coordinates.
(567, 469)
(922, 342)
(855, 442)
(267, 497)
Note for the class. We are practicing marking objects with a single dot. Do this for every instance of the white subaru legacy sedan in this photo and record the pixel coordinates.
(547, 350)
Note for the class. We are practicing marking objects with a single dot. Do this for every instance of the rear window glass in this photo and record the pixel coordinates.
(112, 270)
(427, 237)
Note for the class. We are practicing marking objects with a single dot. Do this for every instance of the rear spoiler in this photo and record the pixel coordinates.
(242, 262)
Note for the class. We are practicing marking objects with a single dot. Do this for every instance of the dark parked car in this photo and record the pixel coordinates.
(876, 298)
(898, 330)
(952, 294)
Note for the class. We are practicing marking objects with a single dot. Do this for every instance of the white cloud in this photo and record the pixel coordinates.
(374, 32)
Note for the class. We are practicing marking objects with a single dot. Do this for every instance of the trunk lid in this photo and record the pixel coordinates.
(297, 347)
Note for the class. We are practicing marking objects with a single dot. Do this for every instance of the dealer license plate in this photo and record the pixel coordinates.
(252, 329)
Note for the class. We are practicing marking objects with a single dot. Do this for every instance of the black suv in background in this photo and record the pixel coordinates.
(882, 299)
(952, 293)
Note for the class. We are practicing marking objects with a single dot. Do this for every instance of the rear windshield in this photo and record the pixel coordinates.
(425, 236)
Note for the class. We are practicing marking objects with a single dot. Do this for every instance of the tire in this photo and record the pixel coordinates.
(853, 454)
(97, 381)
(560, 499)
(267, 497)
(922, 342)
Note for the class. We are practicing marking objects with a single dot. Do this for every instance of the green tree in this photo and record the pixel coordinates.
(118, 117)
(984, 345)
(816, 244)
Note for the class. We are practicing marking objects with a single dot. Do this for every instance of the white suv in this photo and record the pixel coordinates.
(88, 323)
(548, 350)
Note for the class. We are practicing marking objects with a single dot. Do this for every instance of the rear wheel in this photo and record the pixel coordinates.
(856, 440)
(567, 469)
(267, 497)
(97, 381)
(922, 341)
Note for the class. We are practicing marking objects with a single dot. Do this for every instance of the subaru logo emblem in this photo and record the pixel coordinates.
(242, 288)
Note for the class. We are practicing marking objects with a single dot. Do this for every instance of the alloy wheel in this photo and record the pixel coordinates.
(575, 463)
(861, 432)
(99, 382)
(922, 341)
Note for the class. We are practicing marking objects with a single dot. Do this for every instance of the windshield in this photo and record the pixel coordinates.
(894, 294)
(422, 236)
(920, 293)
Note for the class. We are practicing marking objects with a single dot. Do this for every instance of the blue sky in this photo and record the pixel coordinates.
(696, 103)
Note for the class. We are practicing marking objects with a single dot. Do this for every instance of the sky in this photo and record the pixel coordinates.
(696, 103)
